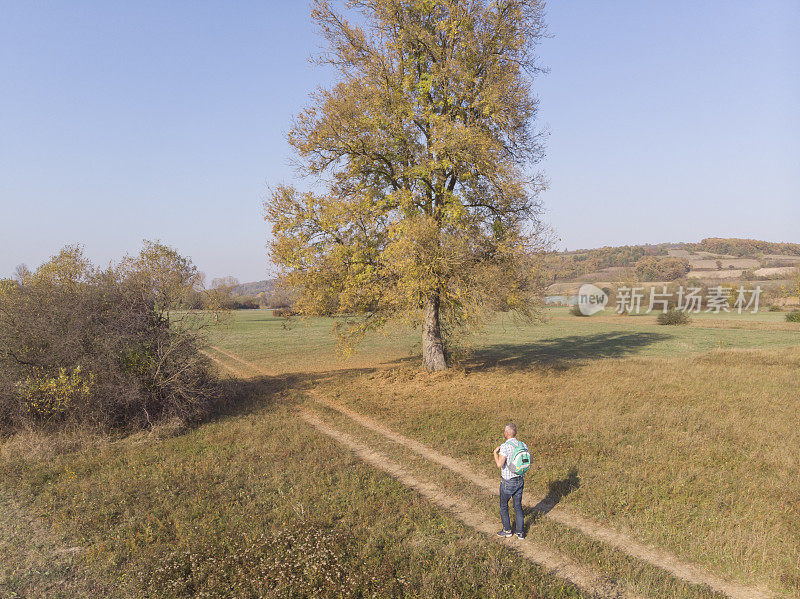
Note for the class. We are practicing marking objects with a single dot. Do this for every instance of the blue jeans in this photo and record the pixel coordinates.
(512, 489)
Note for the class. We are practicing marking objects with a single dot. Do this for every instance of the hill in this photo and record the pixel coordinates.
(254, 287)
(711, 260)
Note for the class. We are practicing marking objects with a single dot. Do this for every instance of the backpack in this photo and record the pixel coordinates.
(520, 460)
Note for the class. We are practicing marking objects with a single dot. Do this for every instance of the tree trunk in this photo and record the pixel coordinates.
(432, 348)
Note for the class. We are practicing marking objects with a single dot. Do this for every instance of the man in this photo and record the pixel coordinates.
(511, 483)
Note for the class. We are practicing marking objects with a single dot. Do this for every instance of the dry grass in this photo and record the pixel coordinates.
(623, 573)
(252, 504)
(697, 455)
(686, 439)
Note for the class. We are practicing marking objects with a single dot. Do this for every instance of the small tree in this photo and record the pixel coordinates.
(67, 270)
(429, 212)
(22, 274)
(219, 297)
(162, 273)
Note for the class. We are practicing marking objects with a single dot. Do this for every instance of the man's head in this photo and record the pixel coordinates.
(511, 430)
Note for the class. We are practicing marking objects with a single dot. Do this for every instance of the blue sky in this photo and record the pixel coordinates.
(121, 121)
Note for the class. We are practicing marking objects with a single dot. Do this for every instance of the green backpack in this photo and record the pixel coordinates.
(520, 460)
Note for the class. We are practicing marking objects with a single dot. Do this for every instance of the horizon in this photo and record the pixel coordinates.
(132, 122)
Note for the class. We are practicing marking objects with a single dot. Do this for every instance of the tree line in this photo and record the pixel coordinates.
(744, 247)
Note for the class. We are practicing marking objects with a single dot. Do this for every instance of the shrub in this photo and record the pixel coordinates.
(246, 303)
(97, 348)
(774, 308)
(673, 317)
(793, 316)
(46, 397)
(576, 311)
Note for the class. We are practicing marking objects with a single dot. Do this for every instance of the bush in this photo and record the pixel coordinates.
(793, 316)
(673, 317)
(576, 311)
(96, 348)
(774, 308)
(48, 397)
(245, 302)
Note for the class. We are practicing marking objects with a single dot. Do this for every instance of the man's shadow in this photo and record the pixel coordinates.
(557, 490)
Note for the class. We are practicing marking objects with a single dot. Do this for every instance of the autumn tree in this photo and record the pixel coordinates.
(423, 151)
(219, 297)
(161, 273)
(654, 268)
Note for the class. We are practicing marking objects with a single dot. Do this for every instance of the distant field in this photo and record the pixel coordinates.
(308, 345)
(757, 268)
(707, 264)
(713, 274)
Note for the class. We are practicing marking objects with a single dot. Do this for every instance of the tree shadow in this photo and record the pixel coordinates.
(557, 490)
(241, 396)
(561, 353)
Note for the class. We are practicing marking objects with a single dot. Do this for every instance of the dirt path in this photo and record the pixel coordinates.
(563, 515)
(256, 370)
(655, 556)
(223, 365)
(555, 563)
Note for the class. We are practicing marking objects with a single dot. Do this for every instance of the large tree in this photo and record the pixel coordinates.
(423, 152)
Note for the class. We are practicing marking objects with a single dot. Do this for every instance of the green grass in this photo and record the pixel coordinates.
(307, 346)
(303, 346)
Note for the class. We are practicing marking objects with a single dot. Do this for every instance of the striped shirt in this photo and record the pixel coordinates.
(507, 449)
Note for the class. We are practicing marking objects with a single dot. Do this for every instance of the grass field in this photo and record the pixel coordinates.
(685, 436)
(299, 346)
(237, 507)
(682, 437)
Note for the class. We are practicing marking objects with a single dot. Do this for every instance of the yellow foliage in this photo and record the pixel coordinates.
(427, 145)
(48, 396)
(67, 269)
(792, 290)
